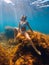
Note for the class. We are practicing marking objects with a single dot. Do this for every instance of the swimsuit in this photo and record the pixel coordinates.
(23, 26)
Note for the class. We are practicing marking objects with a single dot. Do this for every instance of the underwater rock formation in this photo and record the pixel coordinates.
(4, 60)
(10, 32)
(20, 52)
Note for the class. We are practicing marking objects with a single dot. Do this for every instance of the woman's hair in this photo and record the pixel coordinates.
(23, 18)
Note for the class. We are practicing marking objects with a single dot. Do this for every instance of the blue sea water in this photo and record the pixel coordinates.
(40, 21)
(37, 18)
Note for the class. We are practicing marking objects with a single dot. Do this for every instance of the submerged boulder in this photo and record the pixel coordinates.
(10, 32)
(4, 60)
(22, 53)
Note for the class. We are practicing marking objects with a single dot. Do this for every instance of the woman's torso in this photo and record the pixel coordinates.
(23, 25)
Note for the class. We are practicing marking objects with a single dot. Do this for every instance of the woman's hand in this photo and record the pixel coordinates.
(18, 30)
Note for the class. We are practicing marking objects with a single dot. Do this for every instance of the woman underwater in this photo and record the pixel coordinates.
(22, 30)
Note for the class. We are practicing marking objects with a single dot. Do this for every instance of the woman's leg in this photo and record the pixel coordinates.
(17, 36)
(28, 38)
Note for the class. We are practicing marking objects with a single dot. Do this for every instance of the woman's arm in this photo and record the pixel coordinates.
(29, 26)
(19, 27)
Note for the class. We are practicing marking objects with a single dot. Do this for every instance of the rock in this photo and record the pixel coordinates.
(3, 57)
(21, 51)
(10, 32)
